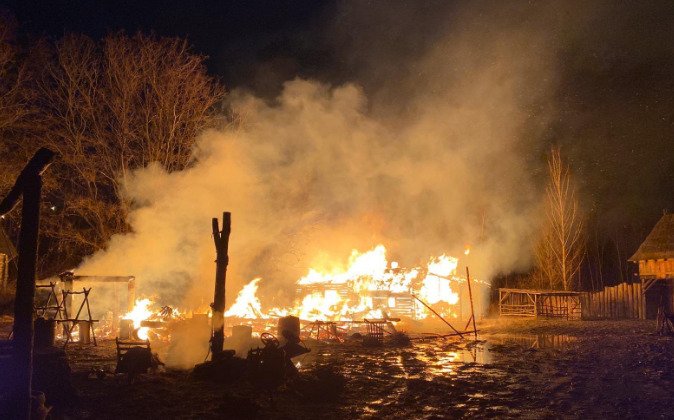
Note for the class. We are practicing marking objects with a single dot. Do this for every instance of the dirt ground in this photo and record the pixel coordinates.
(517, 368)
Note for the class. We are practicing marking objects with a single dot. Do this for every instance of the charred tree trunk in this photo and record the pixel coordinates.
(28, 185)
(221, 239)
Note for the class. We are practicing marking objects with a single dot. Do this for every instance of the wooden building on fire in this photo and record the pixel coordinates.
(655, 258)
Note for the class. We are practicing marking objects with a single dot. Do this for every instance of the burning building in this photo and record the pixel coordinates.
(370, 286)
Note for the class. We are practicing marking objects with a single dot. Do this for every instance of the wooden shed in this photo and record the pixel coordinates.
(540, 303)
(655, 258)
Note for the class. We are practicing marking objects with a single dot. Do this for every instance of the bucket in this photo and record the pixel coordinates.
(288, 329)
(85, 332)
(242, 333)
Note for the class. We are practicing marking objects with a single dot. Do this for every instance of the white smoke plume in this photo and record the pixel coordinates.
(428, 163)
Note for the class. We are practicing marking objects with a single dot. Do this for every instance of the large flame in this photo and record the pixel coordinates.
(369, 287)
(247, 305)
(140, 312)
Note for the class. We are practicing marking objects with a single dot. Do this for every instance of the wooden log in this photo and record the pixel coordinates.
(221, 240)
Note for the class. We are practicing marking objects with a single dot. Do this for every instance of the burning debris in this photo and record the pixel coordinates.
(370, 287)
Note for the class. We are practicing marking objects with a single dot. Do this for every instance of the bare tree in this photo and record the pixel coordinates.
(111, 107)
(560, 249)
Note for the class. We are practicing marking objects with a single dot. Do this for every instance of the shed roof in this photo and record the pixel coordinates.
(6, 245)
(659, 244)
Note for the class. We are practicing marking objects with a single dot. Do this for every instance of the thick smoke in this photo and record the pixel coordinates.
(429, 161)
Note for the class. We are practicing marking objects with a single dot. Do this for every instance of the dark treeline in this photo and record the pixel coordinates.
(106, 107)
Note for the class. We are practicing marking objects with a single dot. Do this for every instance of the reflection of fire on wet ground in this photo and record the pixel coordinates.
(440, 377)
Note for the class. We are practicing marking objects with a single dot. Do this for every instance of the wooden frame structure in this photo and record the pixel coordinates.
(539, 303)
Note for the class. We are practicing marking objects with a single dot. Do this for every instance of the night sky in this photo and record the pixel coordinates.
(613, 103)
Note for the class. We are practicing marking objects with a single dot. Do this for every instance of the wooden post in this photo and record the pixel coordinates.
(131, 294)
(29, 185)
(628, 301)
(621, 300)
(221, 239)
(470, 293)
(642, 307)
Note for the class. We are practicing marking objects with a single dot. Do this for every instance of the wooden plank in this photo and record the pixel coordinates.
(635, 307)
(628, 310)
(640, 299)
(618, 301)
(611, 302)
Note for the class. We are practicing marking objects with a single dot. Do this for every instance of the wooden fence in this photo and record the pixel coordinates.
(622, 301)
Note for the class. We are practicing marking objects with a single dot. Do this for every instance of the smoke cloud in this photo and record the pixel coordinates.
(428, 159)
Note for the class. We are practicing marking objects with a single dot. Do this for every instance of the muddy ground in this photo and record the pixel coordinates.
(523, 368)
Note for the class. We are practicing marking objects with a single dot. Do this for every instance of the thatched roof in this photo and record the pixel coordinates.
(659, 244)
(6, 245)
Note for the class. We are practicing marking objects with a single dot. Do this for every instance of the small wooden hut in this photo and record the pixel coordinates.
(539, 303)
(655, 257)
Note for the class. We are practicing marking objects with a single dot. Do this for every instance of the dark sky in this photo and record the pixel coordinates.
(613, 103)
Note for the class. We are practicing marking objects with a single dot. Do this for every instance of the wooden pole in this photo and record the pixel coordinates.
(29, 185)
(470, 293)
(221, 240)
(438, 315)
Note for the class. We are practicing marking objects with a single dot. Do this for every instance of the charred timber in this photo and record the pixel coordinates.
(221, 240)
